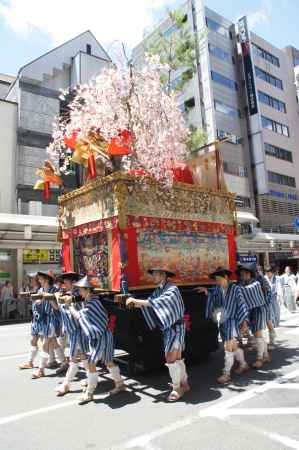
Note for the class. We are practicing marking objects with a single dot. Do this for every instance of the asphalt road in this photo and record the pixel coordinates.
(258, 411)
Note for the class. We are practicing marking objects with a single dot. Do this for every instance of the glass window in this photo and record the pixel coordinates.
(221, 79)
(219, 53)
(170, 31)
(226, 109)
(232, 138)
(276, 127)
(243, 202)
(296, 61)
(215, 26)
(234, 169)
(265, 55)
(268, 78)
(267, 123)
(278, 152)
(284, 180)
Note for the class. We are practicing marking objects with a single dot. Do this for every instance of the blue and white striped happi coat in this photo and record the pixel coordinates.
(38, 318)
(53, 320)
(77, 338)
(273, 283)
(47, 321)
(232, 307)
(268, 297)
(166, 312)
(256, 303)
(93, 320)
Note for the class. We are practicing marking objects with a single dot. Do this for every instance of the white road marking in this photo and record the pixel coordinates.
(260, 411)
(218, 410)
(290, 386)
(20, 355)
(285, 440)
(35, 412)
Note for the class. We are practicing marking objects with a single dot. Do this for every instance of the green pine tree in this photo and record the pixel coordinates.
(178, 51)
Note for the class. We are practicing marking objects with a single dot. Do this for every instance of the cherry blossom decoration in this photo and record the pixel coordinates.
(130, 103)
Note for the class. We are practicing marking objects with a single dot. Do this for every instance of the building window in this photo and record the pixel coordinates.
(226, 109)
(221, 79)
(219, 53)
(296, 61)
(88, 49)
(265, 76)
(278, 178)
(276, 127)
(265, 55)
(235, 169)
(215, 26)
(230, 137)
(181, 79)
(278, 152)
(190, 103)
(170, 31)
(272, 102)
(242, 202)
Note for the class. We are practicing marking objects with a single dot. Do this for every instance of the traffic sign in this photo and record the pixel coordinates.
(296, 222)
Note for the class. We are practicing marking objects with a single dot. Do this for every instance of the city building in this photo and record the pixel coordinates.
(29, 104)
(244, 90)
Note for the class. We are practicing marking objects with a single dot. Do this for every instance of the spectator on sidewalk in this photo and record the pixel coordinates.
(288, 282)
(6, 298)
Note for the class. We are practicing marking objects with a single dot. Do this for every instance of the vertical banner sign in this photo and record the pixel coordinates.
(248, 66)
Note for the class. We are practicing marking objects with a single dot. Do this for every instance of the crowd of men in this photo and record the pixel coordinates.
(243, 310)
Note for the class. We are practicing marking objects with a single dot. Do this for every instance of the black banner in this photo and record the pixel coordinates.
(248, 67)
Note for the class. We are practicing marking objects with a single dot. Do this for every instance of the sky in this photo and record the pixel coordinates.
(29, 28)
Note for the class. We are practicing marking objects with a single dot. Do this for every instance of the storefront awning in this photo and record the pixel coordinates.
(246, 217)
(22, 231)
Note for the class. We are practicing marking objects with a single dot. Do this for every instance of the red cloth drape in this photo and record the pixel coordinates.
(66, 255)
(232, 250)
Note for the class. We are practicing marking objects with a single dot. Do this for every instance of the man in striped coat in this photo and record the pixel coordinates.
(50, 324)
(164, 309)
(93, 321)
(227, 298)
(35, 325)
(77, 340)
(257, 306)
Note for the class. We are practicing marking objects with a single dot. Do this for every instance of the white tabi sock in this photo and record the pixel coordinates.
(239, 356)
(115, 374)
(260, 346)
(51, 355)
(265, 352)
(84, 364)
(228, 362)
(43, 360)
(182, 366)
(71, 373)
(62, 342)
(59, 354)
(175, 373)
(92, 382)
(32, 353)
(272, 337)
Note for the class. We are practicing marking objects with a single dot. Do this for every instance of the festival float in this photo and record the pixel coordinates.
(143, 202)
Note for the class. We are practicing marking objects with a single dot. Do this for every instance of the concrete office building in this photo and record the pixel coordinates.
(29, 104)
(246, 91)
